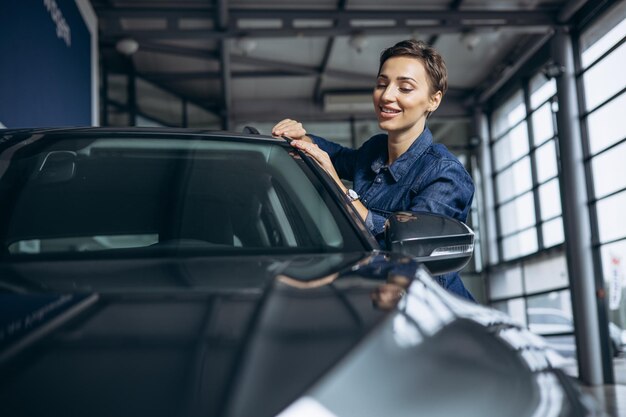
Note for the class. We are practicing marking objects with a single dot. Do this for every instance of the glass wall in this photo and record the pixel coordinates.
(525, 166)
(528, 279)
(602, 85)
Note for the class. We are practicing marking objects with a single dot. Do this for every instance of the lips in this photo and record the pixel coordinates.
(387, 112)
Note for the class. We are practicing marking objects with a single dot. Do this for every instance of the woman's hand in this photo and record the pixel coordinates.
(292, 129)
(320, 157)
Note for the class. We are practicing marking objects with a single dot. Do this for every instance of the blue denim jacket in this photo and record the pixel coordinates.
(427, 177)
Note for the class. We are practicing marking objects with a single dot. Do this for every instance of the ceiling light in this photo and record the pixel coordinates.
(358, 41)
(246, 45)
(552, 70)
(470, 39)
(127, 46)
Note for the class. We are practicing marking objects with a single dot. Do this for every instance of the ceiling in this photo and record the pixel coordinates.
(237, 62)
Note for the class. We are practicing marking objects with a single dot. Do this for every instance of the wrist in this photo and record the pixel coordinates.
(351, 194)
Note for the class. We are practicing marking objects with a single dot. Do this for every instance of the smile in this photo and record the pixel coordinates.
(387, 112)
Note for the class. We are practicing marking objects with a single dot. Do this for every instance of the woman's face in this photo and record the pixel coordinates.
(402, 96)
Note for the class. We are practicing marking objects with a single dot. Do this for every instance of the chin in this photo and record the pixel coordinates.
(386, 125)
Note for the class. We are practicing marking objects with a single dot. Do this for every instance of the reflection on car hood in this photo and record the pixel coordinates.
(242, 336)
(172, 333)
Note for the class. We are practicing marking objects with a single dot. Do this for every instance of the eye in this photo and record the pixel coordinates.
(381, 85)
(405, 90)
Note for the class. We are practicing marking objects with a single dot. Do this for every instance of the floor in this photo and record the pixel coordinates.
(612, 398)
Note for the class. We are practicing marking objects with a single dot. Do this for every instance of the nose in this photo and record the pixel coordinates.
(387, 95)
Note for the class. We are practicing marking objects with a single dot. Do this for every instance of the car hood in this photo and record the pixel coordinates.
(157, 336)
(358, 334)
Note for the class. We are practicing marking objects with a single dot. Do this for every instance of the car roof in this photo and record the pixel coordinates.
(22, 133)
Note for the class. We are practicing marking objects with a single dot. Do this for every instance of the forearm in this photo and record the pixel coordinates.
(357, 204)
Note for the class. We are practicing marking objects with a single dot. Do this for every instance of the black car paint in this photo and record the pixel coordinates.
(240, 336)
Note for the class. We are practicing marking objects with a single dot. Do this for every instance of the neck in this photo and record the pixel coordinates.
(399, 142)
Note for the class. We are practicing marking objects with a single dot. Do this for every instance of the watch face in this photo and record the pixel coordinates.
(352, 195)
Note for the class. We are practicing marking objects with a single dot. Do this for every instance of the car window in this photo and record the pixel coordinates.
(91, 195)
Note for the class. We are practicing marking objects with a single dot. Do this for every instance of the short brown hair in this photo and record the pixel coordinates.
(433, 62)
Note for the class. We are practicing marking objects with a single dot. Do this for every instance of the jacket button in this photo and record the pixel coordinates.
(378, 180)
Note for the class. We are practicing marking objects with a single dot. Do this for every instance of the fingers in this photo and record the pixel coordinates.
(311, 149)
(290, 128)
(318, 155)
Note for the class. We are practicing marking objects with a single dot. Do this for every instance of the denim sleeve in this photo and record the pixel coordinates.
(344, 159)
(375, 223)
(452, 282)
(448, 189)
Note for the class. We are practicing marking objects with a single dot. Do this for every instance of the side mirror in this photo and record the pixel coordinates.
(443, 244)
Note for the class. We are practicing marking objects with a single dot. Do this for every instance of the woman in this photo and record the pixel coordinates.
(402, 170)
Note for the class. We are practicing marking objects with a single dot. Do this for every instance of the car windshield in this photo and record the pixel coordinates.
(145, 193)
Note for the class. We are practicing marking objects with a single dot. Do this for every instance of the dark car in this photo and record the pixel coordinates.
(154, 272)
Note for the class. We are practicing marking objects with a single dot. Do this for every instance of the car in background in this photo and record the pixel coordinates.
(164, 272)
(558, 327)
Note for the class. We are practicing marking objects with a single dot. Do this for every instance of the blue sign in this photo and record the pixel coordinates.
(45, 75)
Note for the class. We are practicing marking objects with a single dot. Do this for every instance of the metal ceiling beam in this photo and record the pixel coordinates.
(317, 95)
(302, 69)
(512, 17)
(278, 68)
(169, 76)
(456, 4)
(569, 9)
(176, 50)
(398, 28)
(209, 105)
(510, 71)
(380, 22)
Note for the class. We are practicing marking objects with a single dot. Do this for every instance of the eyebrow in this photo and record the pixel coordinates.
(399, 78)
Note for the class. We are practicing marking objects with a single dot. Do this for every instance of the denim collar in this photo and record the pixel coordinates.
(401, 165)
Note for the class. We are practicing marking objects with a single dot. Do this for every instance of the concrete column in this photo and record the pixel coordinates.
(576, 221)
(481, 134)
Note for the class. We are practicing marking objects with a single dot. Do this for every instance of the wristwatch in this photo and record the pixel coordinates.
(352, 195)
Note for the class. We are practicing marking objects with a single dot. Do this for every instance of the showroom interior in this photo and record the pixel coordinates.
(532, 110)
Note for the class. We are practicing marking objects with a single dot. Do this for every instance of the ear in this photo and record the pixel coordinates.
(435, 101)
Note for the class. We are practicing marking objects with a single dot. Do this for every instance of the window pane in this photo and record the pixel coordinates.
(553, 232)
(515, 308)
(611, 217)
(546, 274)
(609, 171)
(603, 34)
(605, 78)
(550, 199)
(508, 114)
(550, 313)
(505, 282)
(517, 214)
(545, 157)
(520, 244)
(511, 147)
(541, 90)
(543, 125)
(514, 181)
(614, 270)
(606, 126)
